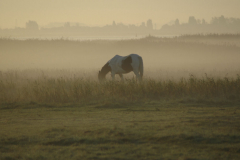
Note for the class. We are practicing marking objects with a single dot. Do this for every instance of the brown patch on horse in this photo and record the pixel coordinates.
(126, 64)
(105, 69)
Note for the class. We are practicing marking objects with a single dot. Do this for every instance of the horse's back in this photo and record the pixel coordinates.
(134, 55)
(115, 63)
(117, 57)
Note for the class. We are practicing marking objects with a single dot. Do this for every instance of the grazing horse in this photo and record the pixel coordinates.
(122, 65)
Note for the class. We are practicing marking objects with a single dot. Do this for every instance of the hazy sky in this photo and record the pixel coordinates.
(102, 12)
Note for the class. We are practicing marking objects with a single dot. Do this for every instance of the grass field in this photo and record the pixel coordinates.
(144, 130)
(16, 87)
(47, 117)
(187, 107)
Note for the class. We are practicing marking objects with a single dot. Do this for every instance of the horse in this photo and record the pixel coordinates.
(121, 65)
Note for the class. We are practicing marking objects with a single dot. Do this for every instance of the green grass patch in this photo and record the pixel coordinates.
(142, 130)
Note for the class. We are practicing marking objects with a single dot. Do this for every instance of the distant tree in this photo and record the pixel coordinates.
(165, 27)
(149, 24)
(199, 21)
(192, 20)
(113, 23)
(223, 20)
(234, 21)
(219, 20)
(120, 24)
(177, 22)
(32, 25)
(203, 21)
(67, 25)
(143, 24)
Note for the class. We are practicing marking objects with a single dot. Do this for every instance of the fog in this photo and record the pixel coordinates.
(38, 36)
(98, 13)
(166, 58)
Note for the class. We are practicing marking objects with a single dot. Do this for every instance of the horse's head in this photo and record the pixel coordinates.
(101, 76)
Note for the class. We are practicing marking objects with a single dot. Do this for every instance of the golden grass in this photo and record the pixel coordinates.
(70, 89)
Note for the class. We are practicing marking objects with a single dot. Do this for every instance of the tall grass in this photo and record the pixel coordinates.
(73, 89)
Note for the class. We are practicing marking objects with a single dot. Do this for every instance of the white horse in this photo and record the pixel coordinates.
(122, 65)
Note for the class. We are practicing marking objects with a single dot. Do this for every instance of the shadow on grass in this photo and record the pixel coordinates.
(143, 140)
(115, 137)
(95, 141)
(219, 139)
(110, 106)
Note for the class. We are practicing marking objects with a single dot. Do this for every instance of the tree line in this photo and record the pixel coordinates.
(193, 26)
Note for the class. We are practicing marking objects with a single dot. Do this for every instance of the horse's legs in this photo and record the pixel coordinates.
(121, 76)
(113, 76)
(137, 75)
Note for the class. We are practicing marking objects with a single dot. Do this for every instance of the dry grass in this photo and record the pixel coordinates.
(18, 88)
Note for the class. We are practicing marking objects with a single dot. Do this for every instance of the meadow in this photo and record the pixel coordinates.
(187, 106)
(18, 88)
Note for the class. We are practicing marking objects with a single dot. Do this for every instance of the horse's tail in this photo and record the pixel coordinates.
(140, 66)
